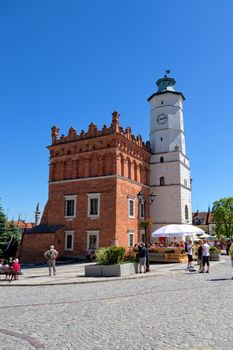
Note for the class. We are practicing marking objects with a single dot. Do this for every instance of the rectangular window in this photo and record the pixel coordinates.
(94, 205)
(142, 210)
(69, 240)
(70, 206)
(131, 238)
(131, 204)
(142, 236)
(92, 240)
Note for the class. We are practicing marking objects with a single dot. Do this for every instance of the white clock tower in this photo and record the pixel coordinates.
(169, 169)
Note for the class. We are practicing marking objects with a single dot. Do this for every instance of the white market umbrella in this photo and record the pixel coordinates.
(204, 235)
(177, 230)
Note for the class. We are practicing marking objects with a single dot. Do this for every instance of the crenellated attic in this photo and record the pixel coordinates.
(96, 152)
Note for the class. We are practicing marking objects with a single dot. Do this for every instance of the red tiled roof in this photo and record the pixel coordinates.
(24, 225)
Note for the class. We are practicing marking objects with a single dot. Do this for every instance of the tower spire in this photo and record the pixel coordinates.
(37, 214)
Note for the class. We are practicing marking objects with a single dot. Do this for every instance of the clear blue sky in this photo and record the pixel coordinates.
(68, 63)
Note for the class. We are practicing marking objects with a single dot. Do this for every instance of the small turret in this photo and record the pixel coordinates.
(55, 131)
(115, 121)
(166, 84)
(37, 215)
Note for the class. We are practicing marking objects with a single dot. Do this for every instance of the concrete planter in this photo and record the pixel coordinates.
(93, 271)
(117, 270)
(214, 257)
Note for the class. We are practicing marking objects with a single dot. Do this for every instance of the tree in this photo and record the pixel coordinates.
(4, 232)
(13, 239)
(9, 236)
(222, 212)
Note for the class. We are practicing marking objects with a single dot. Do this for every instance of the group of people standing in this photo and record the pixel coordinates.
(203, 256)
(10, 270)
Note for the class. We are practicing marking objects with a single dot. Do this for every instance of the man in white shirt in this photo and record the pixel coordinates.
(206, 256)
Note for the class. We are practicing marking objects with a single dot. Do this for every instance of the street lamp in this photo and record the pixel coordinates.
(143, 202)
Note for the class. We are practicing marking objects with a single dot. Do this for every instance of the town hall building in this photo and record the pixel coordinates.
(106, 185)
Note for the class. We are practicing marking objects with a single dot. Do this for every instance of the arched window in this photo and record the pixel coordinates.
(162, 181)
(186, 212)
(122, 172)
(129, 169)
(161, 159)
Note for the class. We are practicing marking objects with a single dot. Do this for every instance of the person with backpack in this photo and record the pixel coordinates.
(51, 256)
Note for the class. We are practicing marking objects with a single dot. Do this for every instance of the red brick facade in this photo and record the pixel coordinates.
(105, 167)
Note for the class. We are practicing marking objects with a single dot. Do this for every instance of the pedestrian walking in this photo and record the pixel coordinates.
(142, 252)
(147, 258)
(200, 257)
(51, 256)
(190, 254)
(206, 256)
(230, 252)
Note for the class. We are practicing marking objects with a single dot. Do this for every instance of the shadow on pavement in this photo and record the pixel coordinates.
(220, 279)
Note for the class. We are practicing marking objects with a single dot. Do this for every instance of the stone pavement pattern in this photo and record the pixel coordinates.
(171, 311)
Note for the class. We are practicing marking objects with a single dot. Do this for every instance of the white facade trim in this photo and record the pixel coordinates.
(69, 233)
(131, 208)
(70, 198)
(92, 233)
(90, 197)
(130, 236)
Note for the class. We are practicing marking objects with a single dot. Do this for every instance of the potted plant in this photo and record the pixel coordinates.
(110, 262)
(214, 254)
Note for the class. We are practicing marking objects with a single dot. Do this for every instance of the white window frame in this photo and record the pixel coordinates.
(130, 233)
(93, 196)
(70, 198)
(92, 233)
(142, 233)
(69, 233)
(129, 214)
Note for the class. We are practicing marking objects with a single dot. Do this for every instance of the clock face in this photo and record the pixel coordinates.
(162, 118)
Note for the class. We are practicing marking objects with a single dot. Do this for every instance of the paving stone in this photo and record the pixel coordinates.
(170, 310)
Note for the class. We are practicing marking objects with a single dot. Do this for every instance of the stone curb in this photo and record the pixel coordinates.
(159, 272)
(98, 280)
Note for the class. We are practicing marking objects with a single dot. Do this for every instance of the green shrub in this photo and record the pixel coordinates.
(110, 255)
(214, 249)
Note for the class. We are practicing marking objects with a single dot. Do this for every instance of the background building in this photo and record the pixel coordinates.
(95, 178)
(169, 165)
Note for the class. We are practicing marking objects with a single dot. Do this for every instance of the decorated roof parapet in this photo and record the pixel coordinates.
(93, 131)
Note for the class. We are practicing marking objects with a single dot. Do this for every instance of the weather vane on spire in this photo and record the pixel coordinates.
(167, 71)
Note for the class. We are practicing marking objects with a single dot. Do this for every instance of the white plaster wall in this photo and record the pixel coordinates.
(185, 175)
(186, 200)
(170, 171)
(171, 132)
(170, 157)
(166, 207)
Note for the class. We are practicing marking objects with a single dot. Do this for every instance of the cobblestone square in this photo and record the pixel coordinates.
(171, 309)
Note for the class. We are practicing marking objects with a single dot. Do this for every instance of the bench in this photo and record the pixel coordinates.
(8, 272)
